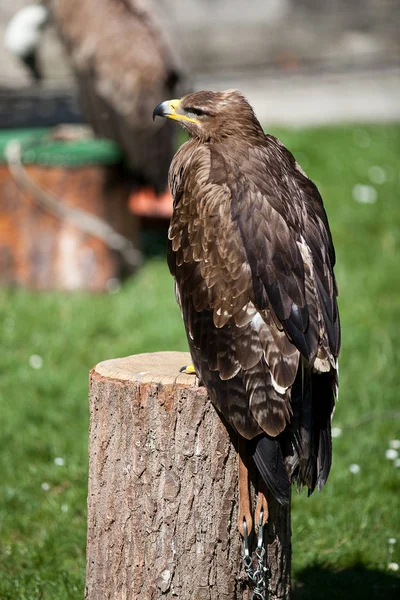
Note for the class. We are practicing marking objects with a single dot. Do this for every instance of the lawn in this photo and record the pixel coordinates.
(50, 341)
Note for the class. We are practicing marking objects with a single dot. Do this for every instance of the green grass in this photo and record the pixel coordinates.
(340, 536)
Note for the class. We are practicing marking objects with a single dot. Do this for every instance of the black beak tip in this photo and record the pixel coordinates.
(157, 112)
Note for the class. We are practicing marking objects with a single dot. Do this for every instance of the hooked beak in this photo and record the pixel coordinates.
(168, 109)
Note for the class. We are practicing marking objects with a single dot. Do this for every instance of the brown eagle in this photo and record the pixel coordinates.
(252, 256)
(123, 63)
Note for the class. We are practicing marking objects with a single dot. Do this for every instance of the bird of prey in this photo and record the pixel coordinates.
(123, 63)
(252, 256)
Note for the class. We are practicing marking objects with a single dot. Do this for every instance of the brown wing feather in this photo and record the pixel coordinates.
(252, 256)
(213, 275)
(276, 207)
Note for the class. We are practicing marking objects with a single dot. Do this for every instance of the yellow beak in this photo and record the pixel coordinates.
(168, 109)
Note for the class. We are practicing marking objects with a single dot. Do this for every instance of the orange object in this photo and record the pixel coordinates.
(40, 251)
(146, 203)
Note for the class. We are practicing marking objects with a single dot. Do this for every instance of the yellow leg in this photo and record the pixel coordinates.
(244, 494)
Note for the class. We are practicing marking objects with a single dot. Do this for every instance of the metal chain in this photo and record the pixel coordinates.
(256, 577)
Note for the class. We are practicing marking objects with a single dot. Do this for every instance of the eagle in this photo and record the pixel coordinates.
(252, 256)
(123, 62)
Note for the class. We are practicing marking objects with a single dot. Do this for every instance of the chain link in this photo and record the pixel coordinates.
(256, 577)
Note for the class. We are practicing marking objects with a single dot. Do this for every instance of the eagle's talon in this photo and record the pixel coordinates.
(190, 370)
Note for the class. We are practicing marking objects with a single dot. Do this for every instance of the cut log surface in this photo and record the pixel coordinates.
(162, 501)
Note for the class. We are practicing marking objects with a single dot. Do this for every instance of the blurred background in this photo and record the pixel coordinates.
(279, 52)
(84, 211)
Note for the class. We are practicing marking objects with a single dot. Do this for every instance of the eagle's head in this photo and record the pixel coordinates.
(212, 116)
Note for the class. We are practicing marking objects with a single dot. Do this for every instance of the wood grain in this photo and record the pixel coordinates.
(162, 501)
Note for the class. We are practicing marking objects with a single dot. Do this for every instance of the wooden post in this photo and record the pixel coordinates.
(162, 501)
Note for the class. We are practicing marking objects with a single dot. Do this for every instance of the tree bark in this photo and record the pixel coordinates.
(162, 501)
(279, 550)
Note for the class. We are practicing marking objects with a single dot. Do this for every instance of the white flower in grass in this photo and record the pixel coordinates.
(64, 507)
(395, 444)
(36, 361)
(392, 566)
(355, 469)
(392, 541)
(391, 454)
(336, 432)
(45, 486)
(364, 194)
(59, 461)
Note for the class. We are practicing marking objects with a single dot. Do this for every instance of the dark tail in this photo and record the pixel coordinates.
(268, 458)
(306, 441)
(303, 451)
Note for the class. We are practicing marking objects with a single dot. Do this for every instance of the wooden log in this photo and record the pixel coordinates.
(162, 500)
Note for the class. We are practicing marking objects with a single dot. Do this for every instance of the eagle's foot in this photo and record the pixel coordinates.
(190, 370)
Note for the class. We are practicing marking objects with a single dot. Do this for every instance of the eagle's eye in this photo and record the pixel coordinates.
(196, 111)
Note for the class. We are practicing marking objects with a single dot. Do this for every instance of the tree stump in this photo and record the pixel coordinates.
(162, 501)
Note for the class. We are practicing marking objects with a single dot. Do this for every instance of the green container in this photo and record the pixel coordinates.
(38, 148)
